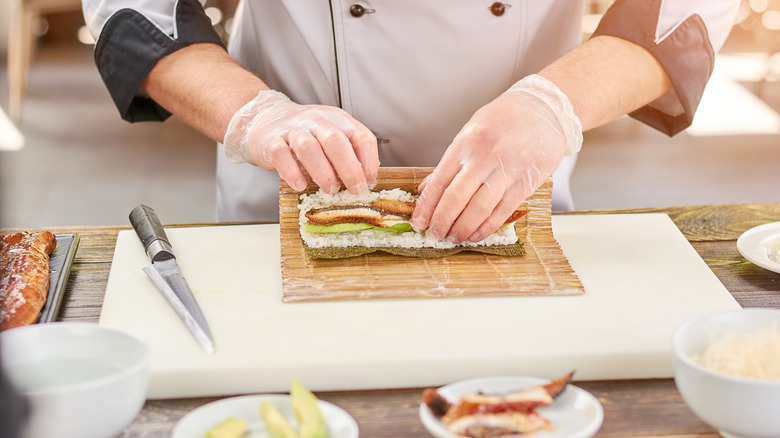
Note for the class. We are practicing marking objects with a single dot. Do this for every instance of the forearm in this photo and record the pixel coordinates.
(203, 86)
(607, 77)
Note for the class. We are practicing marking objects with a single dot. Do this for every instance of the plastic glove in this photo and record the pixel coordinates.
(273, 132)
(508, 149)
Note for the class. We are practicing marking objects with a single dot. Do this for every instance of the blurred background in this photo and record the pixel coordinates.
(67, 158)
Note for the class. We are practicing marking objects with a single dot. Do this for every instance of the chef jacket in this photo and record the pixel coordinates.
(412, 71)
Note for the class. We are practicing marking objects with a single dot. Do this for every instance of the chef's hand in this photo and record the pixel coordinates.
(273, 132)
(508, 149)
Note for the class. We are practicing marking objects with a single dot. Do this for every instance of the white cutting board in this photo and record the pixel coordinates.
(642, 280)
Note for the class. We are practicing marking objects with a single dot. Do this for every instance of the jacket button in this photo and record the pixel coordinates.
(357, 11)
(498, 9)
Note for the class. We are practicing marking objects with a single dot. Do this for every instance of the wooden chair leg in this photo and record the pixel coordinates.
(15, 61)
(20, 52)
(29, 15)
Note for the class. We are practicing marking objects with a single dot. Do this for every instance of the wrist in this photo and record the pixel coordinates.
(236, 140)
(547, 92)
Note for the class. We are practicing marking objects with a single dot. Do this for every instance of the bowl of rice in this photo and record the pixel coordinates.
(727, 369)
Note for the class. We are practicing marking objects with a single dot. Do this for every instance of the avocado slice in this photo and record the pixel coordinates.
(232, 427)
(311, 422)
(346, 227)
(275, 423)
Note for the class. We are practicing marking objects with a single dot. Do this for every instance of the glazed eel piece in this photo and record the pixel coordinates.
(481, 415)
(24, 276)
(380, 213)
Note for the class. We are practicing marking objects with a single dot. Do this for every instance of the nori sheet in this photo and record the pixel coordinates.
(516, 249)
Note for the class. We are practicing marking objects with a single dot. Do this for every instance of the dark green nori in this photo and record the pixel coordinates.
(514, 250)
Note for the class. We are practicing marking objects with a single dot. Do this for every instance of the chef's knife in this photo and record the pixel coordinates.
(166, 275)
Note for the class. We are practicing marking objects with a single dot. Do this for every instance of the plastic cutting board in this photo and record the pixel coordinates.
(642, 280)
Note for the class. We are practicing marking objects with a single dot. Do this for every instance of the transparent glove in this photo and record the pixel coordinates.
(276, 133)
(508, 149)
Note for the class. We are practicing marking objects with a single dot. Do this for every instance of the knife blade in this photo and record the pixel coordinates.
(167, 277)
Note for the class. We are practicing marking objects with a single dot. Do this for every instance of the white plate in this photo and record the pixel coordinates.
(198, 421)
(575, 413)
(757, 244)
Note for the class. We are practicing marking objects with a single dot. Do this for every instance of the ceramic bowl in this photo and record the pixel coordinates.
(736, 406)
(82, 379)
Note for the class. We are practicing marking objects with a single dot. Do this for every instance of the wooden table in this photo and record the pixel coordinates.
(632, 408)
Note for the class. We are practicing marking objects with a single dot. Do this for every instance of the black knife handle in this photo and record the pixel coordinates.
(149, 229)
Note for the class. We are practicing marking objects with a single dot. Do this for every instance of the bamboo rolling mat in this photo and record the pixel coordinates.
(544, 270)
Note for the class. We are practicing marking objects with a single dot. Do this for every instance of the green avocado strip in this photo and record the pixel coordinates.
(337, 228)
(342, 228)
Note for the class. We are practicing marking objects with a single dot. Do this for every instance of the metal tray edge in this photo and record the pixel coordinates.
(60, 263)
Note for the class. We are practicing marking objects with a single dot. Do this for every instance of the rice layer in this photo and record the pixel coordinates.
(381, 239)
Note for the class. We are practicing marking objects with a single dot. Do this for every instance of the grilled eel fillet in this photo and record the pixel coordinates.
(24, 276)
(380, 213)
(480, 415)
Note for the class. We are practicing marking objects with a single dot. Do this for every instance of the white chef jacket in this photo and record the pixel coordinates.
(412, 71)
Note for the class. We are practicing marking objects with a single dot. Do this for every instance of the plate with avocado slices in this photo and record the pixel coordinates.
(266, 416)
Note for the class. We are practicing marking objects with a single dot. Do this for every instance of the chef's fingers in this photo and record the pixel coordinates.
(502, 212)
(278, 155)
(334, 125)
(423, 183)
(523, 184)
(505, 208)
(339, 152)
(479, 209)
(366, 149)
(453, 201)
(309, 152)
(434, 186)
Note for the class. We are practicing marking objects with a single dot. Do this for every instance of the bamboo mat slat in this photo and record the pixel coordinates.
(544, 270)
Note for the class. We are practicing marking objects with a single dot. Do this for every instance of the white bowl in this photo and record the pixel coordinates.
(83, 380)
(738, 407)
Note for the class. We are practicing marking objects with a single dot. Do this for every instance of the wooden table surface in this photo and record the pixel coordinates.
(632, 408)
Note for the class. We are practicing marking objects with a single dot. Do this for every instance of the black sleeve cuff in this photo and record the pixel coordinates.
(686, 55)
(129, 47)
